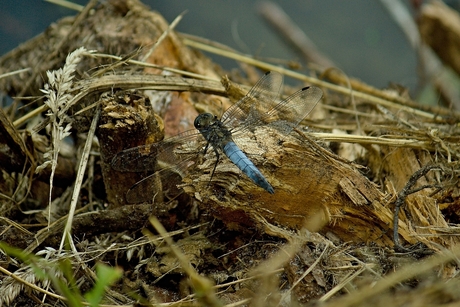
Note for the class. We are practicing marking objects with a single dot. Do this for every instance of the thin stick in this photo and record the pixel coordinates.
(406, 191)
(79, 179)
(289, 31)
(164, 35)
(310, 269)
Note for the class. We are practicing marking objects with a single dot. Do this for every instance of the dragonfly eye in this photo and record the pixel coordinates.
(203, 120)
(197, 122)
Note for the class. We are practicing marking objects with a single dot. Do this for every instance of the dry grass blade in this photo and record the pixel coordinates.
(12, 73)
(404, 273)
(342, 284)
(308, 271)
(79, 179)
(68, 4)
(49, 56)
(150, 65)
(202, 286)
(164, 35)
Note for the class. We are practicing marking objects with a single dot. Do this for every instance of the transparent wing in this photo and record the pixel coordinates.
(262, 97)
(260, 107)
(145, 190)
(170, 160)
(157, 156)
(287, 114)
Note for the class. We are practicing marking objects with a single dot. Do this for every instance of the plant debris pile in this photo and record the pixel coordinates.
(366, 201)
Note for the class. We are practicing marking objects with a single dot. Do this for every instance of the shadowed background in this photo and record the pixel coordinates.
(359, 35)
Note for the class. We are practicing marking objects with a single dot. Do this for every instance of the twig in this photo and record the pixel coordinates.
(289, 31)
(308, 271)
(406, 191)
(164, 35)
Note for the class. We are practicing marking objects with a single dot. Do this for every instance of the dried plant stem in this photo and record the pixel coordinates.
(202, 286)
(337, 88)
(404, 273)
(58, 93)
(164, 35)
(293, 34)
(155, 82)
(79, 179)
(408, 143)
(67, 4)
(11, 73)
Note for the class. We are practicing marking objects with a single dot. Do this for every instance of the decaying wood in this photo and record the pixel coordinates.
(14, 152)
(348, 208)
(440, 28)
(124, 126)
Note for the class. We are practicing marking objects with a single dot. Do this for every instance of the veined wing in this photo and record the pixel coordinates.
(287, 114)
(260, 99)
(260, 107)
(158, 158)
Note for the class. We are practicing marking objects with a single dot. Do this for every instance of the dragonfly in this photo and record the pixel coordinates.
(259, 107)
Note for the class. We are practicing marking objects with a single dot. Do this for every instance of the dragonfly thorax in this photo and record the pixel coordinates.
(213, 130)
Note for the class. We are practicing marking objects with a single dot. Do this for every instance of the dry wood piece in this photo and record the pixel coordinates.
(123, 126)
(440, 28)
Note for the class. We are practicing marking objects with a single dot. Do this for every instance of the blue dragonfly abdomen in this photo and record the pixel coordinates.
(234, 153)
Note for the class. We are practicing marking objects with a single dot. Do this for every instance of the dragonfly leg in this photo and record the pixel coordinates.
(206, 148)
(215, 164)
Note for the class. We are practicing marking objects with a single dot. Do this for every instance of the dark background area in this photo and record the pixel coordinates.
(358, 35)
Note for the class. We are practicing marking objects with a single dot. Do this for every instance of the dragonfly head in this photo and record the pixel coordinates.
(204, 120)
